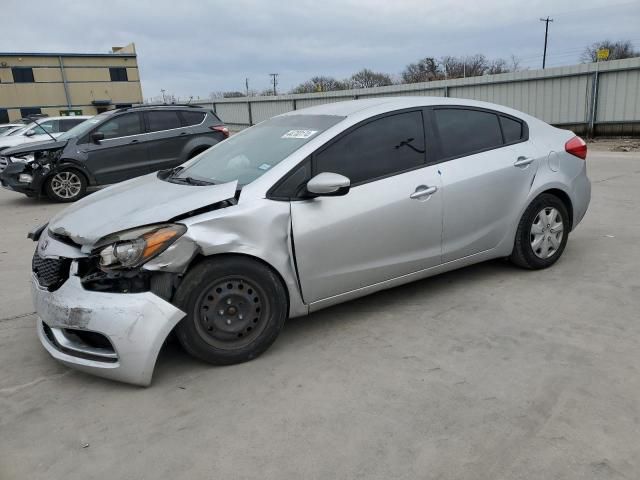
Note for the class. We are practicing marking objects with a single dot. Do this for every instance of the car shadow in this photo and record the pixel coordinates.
(173, 360)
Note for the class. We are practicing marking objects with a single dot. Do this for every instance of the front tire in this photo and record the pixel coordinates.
(235, 309)
(67, 185)
(542, 233)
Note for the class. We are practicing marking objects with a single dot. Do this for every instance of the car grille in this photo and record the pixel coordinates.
(50, 272)
(4, 161)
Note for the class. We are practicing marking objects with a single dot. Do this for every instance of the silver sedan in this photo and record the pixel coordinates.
(305, 210)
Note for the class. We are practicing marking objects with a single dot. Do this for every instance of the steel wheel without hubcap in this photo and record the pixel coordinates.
(546, 233)
(231, 313)
(66, 185)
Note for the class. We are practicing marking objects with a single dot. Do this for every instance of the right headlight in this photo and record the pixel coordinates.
(133, 248)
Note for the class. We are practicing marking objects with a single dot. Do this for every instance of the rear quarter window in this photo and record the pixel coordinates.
(463, 132)
(192, 118)
(512, 130)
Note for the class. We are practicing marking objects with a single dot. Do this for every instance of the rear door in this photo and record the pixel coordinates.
(122, 154)
(384, 227)
(487, 166)
(168, 137)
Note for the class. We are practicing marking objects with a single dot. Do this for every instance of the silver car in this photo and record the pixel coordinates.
(303, 211)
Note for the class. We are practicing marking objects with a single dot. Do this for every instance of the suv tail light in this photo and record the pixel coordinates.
(577, 147)
(220, 128)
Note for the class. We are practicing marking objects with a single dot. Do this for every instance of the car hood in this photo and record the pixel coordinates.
(134, 203)
(34, 147)
(13, 140)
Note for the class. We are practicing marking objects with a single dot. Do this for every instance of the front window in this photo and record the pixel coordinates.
(248, 155)
(83, 128)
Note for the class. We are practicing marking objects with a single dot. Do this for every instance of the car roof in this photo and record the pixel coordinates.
(388, 104)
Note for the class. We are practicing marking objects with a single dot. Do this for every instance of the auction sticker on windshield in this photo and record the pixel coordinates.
(299, 133)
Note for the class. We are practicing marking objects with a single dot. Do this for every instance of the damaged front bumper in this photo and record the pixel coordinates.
(10, 178)
(112, 335)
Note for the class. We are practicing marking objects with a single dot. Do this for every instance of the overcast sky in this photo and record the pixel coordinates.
(190, 47)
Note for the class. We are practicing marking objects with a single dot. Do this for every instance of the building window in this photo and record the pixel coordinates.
(4, 115)
(22, 75)
(118, 74)
(27, 112)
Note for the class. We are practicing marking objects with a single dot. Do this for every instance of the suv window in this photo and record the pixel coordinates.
(191, 118)
(511, 129)
(463, 132)
(379, 148)
(163, 120)
(121, 126)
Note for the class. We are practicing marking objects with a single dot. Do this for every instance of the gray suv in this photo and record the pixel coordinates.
(111, 147)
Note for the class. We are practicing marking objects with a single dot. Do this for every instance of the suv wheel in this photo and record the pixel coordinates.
(67, 185)
(235, 309)
(542, 233)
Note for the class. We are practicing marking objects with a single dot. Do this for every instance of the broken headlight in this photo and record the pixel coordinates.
(28, 158)
(133, 248)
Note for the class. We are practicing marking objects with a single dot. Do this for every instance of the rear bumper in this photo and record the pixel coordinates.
(581, 198)
(136, 325)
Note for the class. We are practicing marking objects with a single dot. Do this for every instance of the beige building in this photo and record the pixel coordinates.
(67, 83)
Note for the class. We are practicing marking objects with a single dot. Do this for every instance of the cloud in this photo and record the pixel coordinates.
(196, 47)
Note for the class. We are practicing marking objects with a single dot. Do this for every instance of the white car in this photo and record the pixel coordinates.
(8, 128)
(44, 129)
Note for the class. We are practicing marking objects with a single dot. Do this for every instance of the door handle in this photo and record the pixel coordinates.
(423, 191)
(183, 133)
(134, 141)
(523, 161)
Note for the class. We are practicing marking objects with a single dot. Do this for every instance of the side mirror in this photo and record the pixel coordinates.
(30, 133)
(328, 184)
(97, 137)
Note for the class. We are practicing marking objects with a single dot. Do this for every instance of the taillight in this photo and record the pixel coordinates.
(576, 146)
(220, 128)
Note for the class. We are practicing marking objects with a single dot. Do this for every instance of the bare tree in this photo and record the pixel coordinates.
(233, 94)
(367, 78)
(499, 65)
(423, 70)
(320, 84)
(617, 50)
(514, 63)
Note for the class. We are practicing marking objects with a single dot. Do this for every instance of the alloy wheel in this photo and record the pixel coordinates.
(66, 184)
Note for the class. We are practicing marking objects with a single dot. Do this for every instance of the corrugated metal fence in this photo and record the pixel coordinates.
(562, 96)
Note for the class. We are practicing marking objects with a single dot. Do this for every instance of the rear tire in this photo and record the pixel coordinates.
(235, 309)
(67, 185)
(542, 233)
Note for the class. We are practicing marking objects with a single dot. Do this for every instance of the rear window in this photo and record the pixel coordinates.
(192, 118)
(463, 132)
(511, 129)
(164, 120)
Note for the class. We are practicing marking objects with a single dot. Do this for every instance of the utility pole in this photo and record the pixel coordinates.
(546, 34)
(246, 85)
(274, 76)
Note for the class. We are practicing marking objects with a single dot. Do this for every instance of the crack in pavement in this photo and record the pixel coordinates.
(17, 388)
(15, 317)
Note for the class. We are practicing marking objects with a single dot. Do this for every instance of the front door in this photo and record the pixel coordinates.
(123, 152)
(388, 225)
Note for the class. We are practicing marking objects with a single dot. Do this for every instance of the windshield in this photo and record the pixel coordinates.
(82, 128)
(249, 154)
